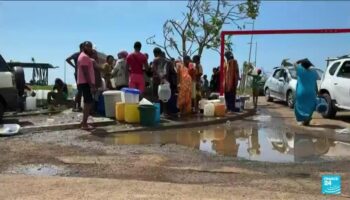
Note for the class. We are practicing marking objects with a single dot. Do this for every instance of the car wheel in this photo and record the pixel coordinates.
(267, 95)
(332, 110)
(290, 99)
(20, 80)
(2, 110)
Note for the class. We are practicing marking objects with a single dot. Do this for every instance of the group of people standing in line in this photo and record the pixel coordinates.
(185, 78)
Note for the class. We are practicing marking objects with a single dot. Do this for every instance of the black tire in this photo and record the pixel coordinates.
(290, 99)
(267, 95)
(332, 110)
(20, 80)
(2, 110)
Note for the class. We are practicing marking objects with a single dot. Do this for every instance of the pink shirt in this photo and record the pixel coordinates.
(136, 61)
(84, 61)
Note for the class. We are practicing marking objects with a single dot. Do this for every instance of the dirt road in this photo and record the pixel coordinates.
(78, 165)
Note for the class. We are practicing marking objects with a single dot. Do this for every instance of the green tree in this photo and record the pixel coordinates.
(201, 24)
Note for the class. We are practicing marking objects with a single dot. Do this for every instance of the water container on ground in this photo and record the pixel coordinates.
(202, 103)
(110, 98)
(321, 105)
(130, 95)
(30, 103)
(157, 115)
(39, 94)
(120, 111)
(132, 113)
(222, 99)
(215, 101)
(9, 129)
(209, 110)
(45, 93)
(147, 115)
(220, 110)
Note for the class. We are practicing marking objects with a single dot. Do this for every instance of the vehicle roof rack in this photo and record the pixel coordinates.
(345, 56)
(339, 57)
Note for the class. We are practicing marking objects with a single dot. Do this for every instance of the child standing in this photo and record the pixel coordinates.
(255, 85)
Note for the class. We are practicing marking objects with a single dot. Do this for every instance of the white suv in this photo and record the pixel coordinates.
(335, 86)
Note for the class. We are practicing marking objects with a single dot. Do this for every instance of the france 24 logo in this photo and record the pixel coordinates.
(331, 184)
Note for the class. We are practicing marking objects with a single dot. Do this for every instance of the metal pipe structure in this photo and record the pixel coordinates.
(251, 43)
(268, 32)
(256, 52)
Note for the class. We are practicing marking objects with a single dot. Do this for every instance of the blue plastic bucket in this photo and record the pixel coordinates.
(321, 105)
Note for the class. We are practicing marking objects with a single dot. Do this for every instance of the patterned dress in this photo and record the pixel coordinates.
(185, 90)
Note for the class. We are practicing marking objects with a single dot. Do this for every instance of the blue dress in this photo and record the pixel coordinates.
(306, 93)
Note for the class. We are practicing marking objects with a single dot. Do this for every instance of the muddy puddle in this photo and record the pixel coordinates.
(254, 143)
(37, 170)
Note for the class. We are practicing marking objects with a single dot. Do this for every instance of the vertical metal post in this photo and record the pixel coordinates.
(222, 63)
(250, 53)
(251, 44)
(256, 51)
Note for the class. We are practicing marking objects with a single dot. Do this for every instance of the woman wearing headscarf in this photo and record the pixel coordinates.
(185, 87)
(306, 92)
(120, 72)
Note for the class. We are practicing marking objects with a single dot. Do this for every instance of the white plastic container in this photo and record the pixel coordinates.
(110, 99)
(202, 103)
(130, 95)
(9, 129)
(45, 92)
(215, 101)
(209, 110)
(164, 92)
(222, 99)
(30, 103)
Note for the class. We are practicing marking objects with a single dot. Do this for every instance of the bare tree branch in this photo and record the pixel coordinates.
(201, 25)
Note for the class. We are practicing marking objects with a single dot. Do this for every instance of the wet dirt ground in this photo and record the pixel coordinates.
(266, 156)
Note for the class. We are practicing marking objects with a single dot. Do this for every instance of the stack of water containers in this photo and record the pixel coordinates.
(130, 98)
(130, 110)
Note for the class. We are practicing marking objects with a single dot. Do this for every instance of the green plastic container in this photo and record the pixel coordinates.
(147, 115)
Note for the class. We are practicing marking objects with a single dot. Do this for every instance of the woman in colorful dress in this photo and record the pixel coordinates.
(185, 87)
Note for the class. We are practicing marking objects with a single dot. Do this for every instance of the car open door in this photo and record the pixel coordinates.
(341, 85)
(282, 84)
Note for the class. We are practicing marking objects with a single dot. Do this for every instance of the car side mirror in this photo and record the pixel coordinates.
(281, 79)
